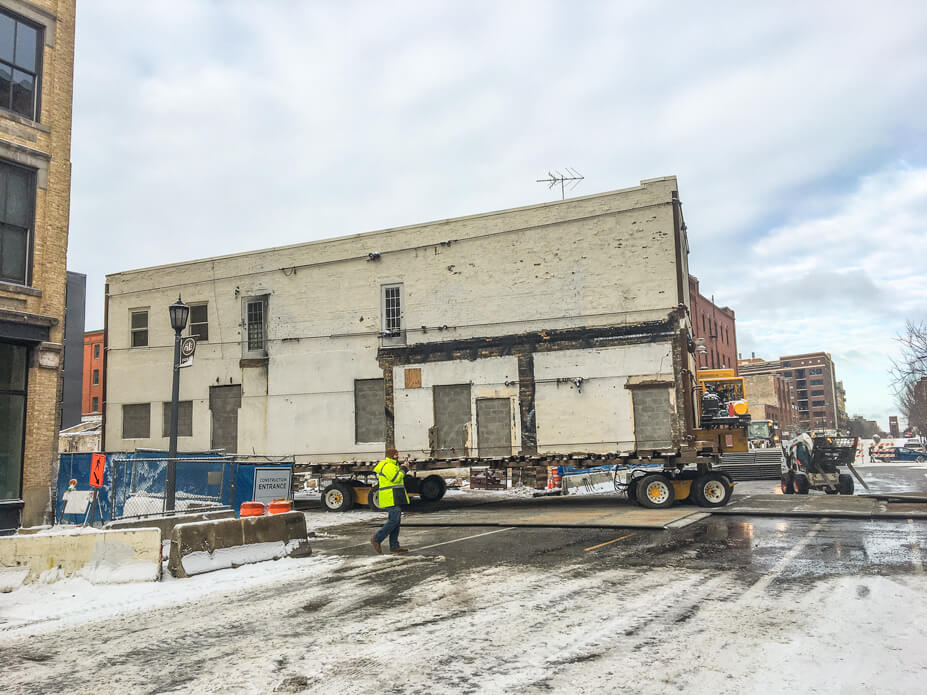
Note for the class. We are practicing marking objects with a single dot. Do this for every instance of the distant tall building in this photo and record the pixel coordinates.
(72, 371)
(772, 397)
(92, 399)
(717, 326)
(893, 427)
(814, 382)
(36, 81)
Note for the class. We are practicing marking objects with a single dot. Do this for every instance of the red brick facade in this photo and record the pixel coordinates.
(92, 387)
(716, 325)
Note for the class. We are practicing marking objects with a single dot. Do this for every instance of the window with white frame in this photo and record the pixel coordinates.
(139, 327)
(392, 312)
(254, 327)
(199, 322)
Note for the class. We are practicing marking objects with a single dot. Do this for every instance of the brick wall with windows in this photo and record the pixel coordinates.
(717, 326)
(36, 79)
(92, 388)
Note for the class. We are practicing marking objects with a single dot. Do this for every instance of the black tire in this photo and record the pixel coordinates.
(786, 483)
(433, 488)
(373, 499)
(632, 489)
(800, 484)
(845, 484)
(829, 491)
(338, 497)
(712, 490)
(655, 491)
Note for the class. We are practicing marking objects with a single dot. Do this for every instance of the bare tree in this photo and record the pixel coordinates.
(909, 375)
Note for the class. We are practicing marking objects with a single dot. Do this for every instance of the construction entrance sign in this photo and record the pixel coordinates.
(271, 483)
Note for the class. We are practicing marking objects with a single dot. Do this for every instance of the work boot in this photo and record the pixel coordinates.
(399, 551)
(376, 545)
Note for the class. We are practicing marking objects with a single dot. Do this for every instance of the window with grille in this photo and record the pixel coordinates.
(17, 198)
(139, 324)
(199, 323)
(393, 319)
(254, 327)
(20, 64)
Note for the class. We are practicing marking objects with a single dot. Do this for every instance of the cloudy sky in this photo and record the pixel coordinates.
(798, 132)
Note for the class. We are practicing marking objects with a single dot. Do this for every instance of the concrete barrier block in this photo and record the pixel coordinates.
(206, 546)
(166, 524)
(571, 482)
(101, 557)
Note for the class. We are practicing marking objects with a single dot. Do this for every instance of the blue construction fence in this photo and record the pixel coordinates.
(133, 482)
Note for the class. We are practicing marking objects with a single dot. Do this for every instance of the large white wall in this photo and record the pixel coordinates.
(599, 260)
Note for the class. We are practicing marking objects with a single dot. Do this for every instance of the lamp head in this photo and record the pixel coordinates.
(179, 313)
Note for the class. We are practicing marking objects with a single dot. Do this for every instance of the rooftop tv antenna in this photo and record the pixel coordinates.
(567, 181)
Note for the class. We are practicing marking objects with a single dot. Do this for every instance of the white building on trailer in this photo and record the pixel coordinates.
(560, 327)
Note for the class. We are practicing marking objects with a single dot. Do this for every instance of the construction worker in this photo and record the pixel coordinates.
(392, 495)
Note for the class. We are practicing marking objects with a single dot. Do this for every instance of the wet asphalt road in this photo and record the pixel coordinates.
(525, 604)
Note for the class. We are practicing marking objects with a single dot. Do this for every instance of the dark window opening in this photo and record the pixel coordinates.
(139, 328)
(96, 377)
(199, 324)
(95, 404)
(20, 64)
(96, 351)
(17, 199)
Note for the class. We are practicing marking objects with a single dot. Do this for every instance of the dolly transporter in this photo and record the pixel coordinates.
(533, 336)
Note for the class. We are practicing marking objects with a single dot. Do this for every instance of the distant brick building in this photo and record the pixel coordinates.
(37, 58)
(815, 384)
(772, 397)
(92, 390)
(716, 325)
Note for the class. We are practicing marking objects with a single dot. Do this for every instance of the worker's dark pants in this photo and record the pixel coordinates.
(390, 528)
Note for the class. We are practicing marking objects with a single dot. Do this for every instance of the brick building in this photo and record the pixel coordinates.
(92, 384)
(814, 382)
(716, 325)
(36, 78)
(772, 397)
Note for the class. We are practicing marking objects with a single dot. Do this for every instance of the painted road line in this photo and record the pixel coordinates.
(615, 540)
(916, 558)
(780, 566)
(465, 538)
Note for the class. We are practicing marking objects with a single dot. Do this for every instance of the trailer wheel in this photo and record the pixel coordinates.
(800, 484)
(786, 480)
(712, 490)
(433, 488)
(655, 491)
(632, 489)
(373, 499)
(845, 484)
(338, 497)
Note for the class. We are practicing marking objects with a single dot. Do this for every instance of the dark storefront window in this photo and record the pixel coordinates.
(12, 418)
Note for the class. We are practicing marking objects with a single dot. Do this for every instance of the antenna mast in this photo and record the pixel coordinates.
(571, 179)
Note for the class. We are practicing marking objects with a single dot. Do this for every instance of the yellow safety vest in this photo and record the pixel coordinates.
(391, 483)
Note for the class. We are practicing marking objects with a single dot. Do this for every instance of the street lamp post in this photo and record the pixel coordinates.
(179, 313)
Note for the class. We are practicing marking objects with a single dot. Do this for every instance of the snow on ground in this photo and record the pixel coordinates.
(37, 608)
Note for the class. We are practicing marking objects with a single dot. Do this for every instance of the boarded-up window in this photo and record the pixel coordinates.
(184, 419)
(652, 416)
(224, 402)
(136, 420)
(452, 415)
(369, 410)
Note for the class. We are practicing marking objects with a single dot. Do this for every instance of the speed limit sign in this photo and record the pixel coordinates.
(187, 348)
